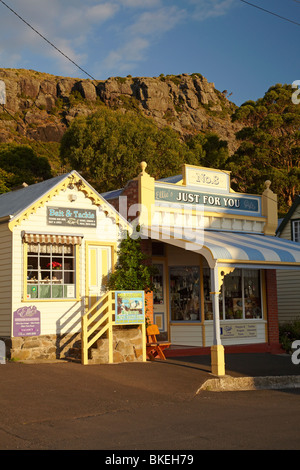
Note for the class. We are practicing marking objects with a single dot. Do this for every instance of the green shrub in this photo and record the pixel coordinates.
(289, 332)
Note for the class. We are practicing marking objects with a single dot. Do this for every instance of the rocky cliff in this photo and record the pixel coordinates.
(40, 106)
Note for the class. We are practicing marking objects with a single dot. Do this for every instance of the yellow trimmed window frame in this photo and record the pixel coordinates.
(51, 272)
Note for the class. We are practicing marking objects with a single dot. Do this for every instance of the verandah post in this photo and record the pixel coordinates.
(217, 349)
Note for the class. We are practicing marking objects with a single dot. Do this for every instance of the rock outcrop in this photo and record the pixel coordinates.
(40, 106)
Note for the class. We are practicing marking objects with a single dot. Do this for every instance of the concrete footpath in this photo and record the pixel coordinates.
(182, 375)
(253, 371)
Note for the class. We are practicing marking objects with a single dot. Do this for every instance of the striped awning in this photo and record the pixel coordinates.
(243, 247)
(53, 239)
(234, 247)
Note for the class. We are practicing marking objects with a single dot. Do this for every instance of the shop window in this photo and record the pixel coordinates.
(158, 285)
(296, 230)
(240, 296)
(185, 293)
(51, 271)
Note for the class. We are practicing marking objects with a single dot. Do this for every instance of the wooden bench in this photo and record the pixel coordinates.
(155, 348)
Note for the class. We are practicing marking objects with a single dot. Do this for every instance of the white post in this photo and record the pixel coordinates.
(217, 350)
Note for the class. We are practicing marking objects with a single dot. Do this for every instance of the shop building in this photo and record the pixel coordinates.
(215, 250)
(59, 241)
(216, 254)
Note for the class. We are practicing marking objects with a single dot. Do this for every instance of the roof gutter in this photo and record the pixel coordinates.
(5, 219)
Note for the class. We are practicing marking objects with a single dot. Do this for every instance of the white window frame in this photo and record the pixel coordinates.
(73, 292)
(296, 230)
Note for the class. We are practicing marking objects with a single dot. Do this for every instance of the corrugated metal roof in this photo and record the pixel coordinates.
(14, 202)
(112, 194)
(170, 179)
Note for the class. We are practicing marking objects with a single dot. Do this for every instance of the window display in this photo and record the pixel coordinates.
(158, 285)
(50, 271)
(252, 294)
(240, 296)
(185, 293)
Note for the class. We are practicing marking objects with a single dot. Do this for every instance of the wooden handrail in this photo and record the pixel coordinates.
(90, 322)
(96, 321)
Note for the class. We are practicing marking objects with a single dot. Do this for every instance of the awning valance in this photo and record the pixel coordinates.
(53, 239)
(233, 247)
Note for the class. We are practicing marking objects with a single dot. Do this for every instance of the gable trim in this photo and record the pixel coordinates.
(71, 180)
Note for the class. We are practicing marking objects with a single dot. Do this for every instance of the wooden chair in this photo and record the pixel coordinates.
(155, 348)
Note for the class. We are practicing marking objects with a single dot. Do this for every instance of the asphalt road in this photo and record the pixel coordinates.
(152, 406)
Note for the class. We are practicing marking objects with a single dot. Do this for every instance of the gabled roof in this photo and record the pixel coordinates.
(19, 204)
(14, 202)
(288, 216)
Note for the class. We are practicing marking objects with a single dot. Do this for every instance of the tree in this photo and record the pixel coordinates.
(134, 270)
(107, 148)
(209, 149)
(19, 164)
(270, 146)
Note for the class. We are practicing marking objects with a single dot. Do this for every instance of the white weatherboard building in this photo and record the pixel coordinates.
(58, 244)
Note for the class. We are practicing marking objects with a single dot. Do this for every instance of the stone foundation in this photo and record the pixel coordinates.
(127, 347)
(41, 348)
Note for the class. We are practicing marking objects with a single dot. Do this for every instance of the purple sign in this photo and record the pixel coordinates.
(27, 321)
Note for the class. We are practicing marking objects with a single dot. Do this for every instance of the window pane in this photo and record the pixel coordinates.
(185, 293)
(69, 277)
(69, 264)
(296, 230)
(252, 293)
(32, 291)
(158, 284)
(232, 286)
(57, 291)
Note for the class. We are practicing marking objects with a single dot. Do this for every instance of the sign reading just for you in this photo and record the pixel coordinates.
(208, 200)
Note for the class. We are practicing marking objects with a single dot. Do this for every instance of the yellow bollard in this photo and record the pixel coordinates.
(217, 360)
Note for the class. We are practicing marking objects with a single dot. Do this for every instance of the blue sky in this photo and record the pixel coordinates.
(239, 48)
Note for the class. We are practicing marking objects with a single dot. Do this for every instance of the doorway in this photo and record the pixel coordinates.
(99, 259)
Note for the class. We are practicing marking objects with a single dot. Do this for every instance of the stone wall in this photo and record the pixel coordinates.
(127, 347)
(41, 348)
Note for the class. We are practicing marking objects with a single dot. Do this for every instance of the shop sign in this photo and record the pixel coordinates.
(68, 217)
(130, 307)
(207, 201)
(207, 179)
(239, 331)
(27, 321)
